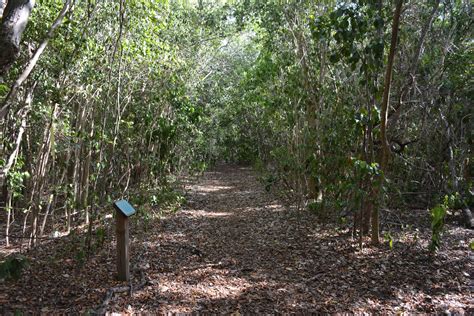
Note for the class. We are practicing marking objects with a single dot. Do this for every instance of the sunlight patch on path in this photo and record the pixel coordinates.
(278, 207)
(210, 188)
(202, 213)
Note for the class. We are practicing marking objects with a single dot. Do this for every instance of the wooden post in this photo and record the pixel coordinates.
(124, 211)
(123, 253)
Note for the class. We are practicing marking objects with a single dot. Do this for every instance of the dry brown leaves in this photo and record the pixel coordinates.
(234, 249)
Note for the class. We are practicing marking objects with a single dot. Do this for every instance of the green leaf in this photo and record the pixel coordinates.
(437, 224)
(3, 89)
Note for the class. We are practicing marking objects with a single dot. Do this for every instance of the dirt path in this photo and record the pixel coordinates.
(235, 248)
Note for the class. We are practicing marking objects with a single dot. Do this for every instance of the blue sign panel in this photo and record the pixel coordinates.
(124, 207)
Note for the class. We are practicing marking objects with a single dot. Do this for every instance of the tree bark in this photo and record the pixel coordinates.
(14, 20)
(3, 3)
(385, 151)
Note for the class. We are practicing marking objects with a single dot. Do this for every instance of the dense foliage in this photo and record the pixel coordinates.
(131, 94)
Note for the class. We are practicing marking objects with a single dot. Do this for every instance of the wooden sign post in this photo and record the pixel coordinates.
(124, 211)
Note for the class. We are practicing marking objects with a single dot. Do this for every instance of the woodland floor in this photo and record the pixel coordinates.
(235, 249)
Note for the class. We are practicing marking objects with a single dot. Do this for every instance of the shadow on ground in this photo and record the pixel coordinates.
(234, 247)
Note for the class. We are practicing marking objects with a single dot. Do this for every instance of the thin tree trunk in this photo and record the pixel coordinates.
(385, 151)
(9, 213)
(23, 232)
(78, 150)
(69, 196)
(85, 183)
(14, 155)
(48, 209)
(86, 171)
(451, 162)
(39, 178)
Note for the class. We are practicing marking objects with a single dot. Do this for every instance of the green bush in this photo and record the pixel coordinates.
(12, 267)
(438, 214)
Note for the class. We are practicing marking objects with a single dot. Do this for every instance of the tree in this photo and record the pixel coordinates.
(128, 93)
(14, 18)
(385, 148)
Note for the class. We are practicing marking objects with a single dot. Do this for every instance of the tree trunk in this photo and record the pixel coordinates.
(32, 62)
(85, 180)
(9, 213)
(385, 151)
(46, 213)
(14, 19)
(39, 178)
(3, 3)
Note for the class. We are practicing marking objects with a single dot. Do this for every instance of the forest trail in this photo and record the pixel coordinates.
(103, 101)
(235, 248)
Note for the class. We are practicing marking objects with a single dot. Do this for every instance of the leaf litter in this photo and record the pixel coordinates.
(236, 249)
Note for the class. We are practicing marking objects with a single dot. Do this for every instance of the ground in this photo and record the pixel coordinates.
(234, 248)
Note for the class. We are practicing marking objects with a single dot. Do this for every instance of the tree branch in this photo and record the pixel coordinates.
(32, 62)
